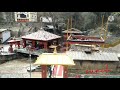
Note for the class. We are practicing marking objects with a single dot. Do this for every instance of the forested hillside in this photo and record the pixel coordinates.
(80, 20)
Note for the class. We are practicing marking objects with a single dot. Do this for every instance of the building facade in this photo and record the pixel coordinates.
(25, 16)
(5, 34)
(94, 61)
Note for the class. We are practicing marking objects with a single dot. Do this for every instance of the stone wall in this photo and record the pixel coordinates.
(4, 58)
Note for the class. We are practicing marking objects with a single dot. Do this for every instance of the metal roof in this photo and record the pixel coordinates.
(50, 26)
(54, 59)
(94, 56)
(2, 30)
(72, 31)
(41, 35)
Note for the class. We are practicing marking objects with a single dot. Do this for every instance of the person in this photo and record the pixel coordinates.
(10, 49)
(50, 71)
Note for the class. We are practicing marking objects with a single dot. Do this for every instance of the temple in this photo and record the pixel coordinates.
(40, 39)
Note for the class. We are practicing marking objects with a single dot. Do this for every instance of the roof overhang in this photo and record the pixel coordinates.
(54, 59)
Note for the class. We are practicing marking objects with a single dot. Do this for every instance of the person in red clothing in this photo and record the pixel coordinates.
(10, 49)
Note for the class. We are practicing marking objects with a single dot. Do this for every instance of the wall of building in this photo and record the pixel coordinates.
(82, 66)
(4, 58)
(30, 16)
(33, 16)
(5, 35)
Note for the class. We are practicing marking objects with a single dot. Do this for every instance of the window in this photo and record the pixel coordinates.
(22, 16)
(27, 15)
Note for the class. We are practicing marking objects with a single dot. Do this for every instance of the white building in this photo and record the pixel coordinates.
(25, 16)
(46, 19)
(5, 34)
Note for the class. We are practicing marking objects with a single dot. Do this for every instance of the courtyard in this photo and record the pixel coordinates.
(17, 69)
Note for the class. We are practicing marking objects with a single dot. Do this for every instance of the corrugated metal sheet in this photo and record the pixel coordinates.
(95, 56)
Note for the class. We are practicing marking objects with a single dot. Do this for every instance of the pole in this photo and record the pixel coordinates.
(30, 59)
(67, 35)
(67, 28)
(102, 30)
(30, 65)
(71, 24)
(106, 30)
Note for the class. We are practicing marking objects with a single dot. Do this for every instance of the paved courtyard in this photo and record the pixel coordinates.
(17, 69)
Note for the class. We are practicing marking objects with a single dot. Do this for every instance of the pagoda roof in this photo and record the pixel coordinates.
(41, 35)
(54, 59)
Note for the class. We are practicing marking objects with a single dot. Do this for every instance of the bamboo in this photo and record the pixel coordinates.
(105, 37)
(71, 24)
(102, 24)
(103, 31)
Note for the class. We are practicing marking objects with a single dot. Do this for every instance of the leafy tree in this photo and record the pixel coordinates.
(89, 20)
(19, 33)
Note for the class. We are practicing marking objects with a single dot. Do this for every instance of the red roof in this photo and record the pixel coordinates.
(10, 41)
(41, 35)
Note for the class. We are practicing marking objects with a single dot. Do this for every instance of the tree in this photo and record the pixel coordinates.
(89, 20)
(19, 33)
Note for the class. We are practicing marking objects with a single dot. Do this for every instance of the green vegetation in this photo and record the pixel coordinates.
(85, 21)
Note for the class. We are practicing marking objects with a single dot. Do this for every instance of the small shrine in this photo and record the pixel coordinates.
(54, 59)
(40, 39)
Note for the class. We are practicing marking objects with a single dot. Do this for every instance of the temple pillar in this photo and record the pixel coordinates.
(33, 43)
(45, 46)
(18, 43)
(24, 43)
(58, 40)
(44, 71)
(65, 72)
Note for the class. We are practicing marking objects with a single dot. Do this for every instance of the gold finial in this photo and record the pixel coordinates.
(55, 50)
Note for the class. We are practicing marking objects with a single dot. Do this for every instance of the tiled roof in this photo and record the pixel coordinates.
(41, 35)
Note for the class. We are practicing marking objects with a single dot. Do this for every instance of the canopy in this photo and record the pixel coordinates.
(54, 59)
(41, 35)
